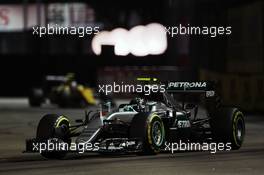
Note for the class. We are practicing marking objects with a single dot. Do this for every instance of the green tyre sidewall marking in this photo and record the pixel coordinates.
(237, 116)
(154, 117)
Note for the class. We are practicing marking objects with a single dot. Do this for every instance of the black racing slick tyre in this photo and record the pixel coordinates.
(148, 128)
(228, 126)
(53, 126)
(36, 97)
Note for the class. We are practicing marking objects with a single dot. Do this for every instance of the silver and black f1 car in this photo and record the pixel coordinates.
(145, 124)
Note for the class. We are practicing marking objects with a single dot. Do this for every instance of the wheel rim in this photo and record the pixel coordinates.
(240, 130)
(157, 133)
(64, 127)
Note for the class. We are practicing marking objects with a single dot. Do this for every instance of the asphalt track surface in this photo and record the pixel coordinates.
(18, 122)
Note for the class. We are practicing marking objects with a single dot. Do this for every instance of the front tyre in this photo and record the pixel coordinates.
(53, 126)
(228, 126)
(149, 128)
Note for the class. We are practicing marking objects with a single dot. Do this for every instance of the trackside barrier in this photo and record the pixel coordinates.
(243, 90)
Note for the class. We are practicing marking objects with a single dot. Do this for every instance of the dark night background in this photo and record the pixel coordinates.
(25, 58)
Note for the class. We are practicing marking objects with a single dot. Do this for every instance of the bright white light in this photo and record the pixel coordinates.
(99, 40)
(155, 38)
(120, 42)
(139, 41)
(136, 40)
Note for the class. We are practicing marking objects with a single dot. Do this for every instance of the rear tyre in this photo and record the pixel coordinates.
(53, 126)
(36, 97)
(228, 126)
(149, 128)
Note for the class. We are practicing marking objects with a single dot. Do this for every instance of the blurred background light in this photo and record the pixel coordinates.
(139, 41)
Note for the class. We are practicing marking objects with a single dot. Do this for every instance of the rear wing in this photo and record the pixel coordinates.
(207, 87)
(57, 78)
(187, 87)
(60, 78)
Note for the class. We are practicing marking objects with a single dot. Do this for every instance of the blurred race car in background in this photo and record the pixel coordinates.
(63, 91)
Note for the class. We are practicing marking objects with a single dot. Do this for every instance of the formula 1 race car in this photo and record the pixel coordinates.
(184, 112)
(63, 91)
